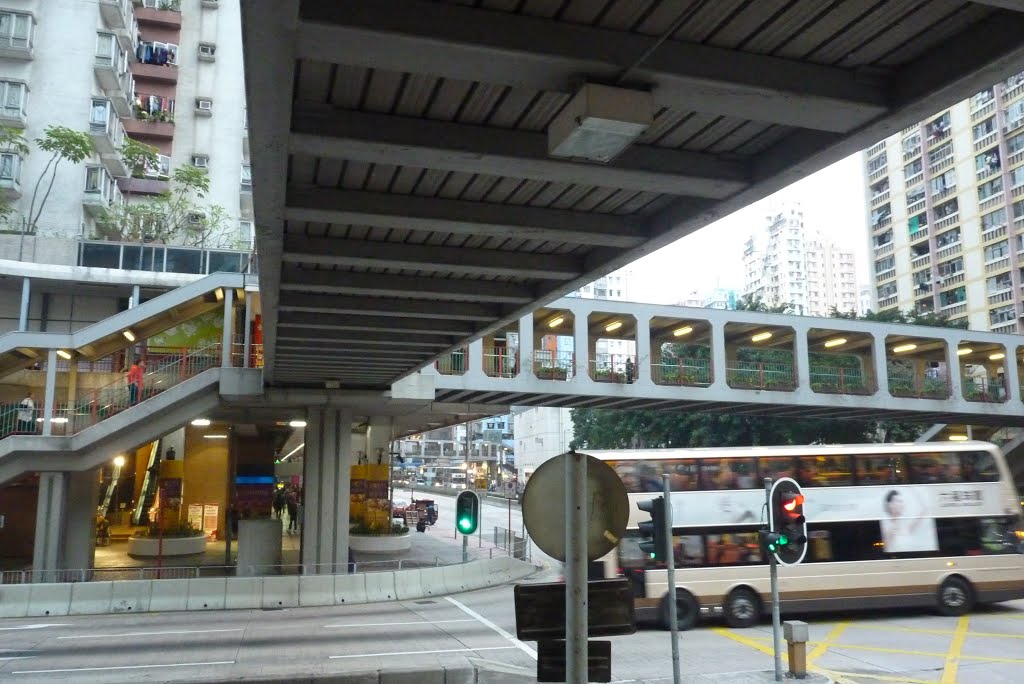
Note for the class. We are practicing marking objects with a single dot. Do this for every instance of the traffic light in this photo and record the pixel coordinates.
(658, 547)
(467, 512)
(787, 537)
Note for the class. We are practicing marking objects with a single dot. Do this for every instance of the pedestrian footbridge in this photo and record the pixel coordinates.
(579, 352)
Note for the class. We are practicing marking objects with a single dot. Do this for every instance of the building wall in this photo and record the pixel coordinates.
(930, 254)
(206, 474)
(540, 434)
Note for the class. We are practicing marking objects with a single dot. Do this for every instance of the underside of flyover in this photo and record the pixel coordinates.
(412, 190)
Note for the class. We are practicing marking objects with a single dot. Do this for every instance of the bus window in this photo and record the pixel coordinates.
(934, 468)
(648, 476)
(733, 549)
(630, 555)
(776, 467)
(728, 473)
(979, 466)
(627, 473)
(689, 550)
(876, 470)
(819, 545)
(823, 471)
(683, 474)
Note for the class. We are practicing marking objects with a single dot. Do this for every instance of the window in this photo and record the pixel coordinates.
(733, 549)
(207, 51)
(727, 473)
(934, 468)
(108, 51)
(886, 291)
(912, 169)
(824, 471)
(157, 53)
(100, 116)
(979, 466)
(940, 153)
(877, 163)
(998, 283)
(246, 177)
(10, 170)
(94, 179)
(200, 161)
(880, 469)
(951, 297)
(915, 195)
(13, 99)
(1018, 209)
(986, 127)
(951, 267)
(1015, 144)
(886, 264)
(1014, 115)
(1003, 314)
(987, 162)
(993, 219)
(981, 99)
(1017, 176)
(947, 209)
(997, 250)
(992, 187)
(161, 169)
(14, 29)
(944, 182)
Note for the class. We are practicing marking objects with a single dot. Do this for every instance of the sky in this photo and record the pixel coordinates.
(833, 201)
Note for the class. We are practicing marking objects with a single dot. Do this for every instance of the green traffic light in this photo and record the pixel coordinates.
(783, 540)
(465, 523)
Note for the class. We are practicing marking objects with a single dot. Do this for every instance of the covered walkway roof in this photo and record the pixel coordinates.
(406, 200)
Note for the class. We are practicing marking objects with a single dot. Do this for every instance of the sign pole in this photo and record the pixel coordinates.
(575, 569)
(773, 564)
(465, 548)
(671, 560)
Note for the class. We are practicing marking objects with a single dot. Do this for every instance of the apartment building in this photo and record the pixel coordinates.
(946, 211)
(788, 263)
(168, 73)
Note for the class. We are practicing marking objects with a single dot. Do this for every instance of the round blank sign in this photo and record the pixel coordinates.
(544, 507)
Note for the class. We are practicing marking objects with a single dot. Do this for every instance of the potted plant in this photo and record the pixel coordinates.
(382, 538)
(177, 539)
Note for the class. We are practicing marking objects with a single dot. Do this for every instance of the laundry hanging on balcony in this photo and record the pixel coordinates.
(153, 104)
(161, 54)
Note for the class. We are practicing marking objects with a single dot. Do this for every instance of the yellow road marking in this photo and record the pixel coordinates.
(753, 643)
(822, 646)
(953, 655)
(764, 641)
(883, 678)
(941, 632)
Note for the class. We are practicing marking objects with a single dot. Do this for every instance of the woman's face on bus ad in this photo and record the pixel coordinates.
(894, 504)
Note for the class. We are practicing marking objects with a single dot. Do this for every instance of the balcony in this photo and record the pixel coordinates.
(161, 73)
(111, 68)
(919, 261)
(119, 17)
(158, 123)
(983, 111)
(888, 302)
(1017, 191)
(1000, 297)
(912, 180)
(984, 141)
(101, 192)
(107, 133)
(944, 193)
(880, 197)
(993, 233)
(144, 186)
(947, 221)
(951, 250)
(940, 165)
(150, 14)
(882, 250)
(948, 281)
(877, 173)
(917, 206)
(911, 153)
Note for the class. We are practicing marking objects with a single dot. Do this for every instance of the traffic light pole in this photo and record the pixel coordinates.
(465, 548)
(773, 564)
(671, 563)
(575, 569)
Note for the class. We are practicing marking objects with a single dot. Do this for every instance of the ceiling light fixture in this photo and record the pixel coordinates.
(215, 436)
(201, 422)
(958, 438)
(291, 453)
(119, 461)
(297, 423)
(555, 322)
(904, 348)
(611, 327)
(963, 351)
(219, 294)
(128, 335)
(64, 354)
(761, 337)
(685, 330)
(997, 356)
(835, 342)
(599, 122)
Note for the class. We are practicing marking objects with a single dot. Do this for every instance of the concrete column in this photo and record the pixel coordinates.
(65, 523)
(73, 379)
(50, 393)
(79, 547)
(643, 351)
(525, 346)
(378, 436)
(801, 360)
(881, 359)
(327, 474)
(228, 339)
(26, 300)
(475, 360)
(50, 512)
(581, 345)
(136, 296)
(247, 347)
(719, 357)
(1010, 372)
(954, 370)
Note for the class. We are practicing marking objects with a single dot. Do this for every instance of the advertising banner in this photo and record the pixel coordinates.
(195, 515)
(211, 517)
(357, 496)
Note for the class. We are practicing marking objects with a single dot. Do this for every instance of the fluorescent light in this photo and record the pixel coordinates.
(903, 348)
(58, 420)
(215, 436)
(291, 453)
(835, 342)
(201, 422)
(297, 423)
(958, 438)
(64, 354)
(129, 335)
(685, 330)
(761, 337)
(219, 294)
(996, 356)
(555, 322)
(613, 326)
(599, 122)
(963, 351)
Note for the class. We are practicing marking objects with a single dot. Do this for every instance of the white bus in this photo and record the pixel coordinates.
(933, 524)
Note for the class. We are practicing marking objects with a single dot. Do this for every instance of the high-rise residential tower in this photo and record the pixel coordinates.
(946, 211)
(790, 264)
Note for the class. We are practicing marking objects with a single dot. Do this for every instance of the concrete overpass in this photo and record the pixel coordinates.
(427, 172)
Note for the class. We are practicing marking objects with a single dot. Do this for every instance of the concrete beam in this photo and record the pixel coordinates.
(297, 279)
(404, 326)
(380, 306)
(463, 261)
(321, 131)
(460, 217)
(516, 50)
(339, 337)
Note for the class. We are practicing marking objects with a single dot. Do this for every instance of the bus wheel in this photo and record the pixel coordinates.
(687, 611)
(742, 608)
(955, 596)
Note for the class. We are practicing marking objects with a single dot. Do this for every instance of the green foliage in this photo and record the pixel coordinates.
(180, 529)
(362, 528)
(62, 143)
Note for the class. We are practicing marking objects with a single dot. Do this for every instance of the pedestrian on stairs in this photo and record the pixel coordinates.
(135, 375)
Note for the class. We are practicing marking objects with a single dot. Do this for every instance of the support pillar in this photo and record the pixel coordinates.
(525, 368)
(881, 358)
(50, 393)
(801, 360)
(719, 357)
(229, 328)
(581, 345)
(136, 297)
(327, 476)
(378, 436)
(65, 523)
(26, 300)
(247, 345)
(643, 373)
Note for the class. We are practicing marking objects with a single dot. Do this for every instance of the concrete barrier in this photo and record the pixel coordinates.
(91, 598)
(49, 599)
(281, 592)
(14, 600)
(316, 590)
(432, 581)
(380, 586)
(168, 595)
(408, 585)
(244, 592)
(131, 596)
(412, 675)
(455, 578)
(207, 593)
(349, 589)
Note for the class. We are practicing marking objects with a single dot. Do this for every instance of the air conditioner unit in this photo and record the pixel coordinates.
(200, 161)
(205, 105)
(207, 49)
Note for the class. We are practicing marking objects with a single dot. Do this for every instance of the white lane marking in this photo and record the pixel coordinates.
(5, 629)
(477, 616)
(15, 657)
(403, 653)
(134, 634)
(125, 667)
(393, 624)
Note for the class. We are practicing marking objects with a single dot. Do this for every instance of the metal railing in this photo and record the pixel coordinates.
(454, 363)
(553, 365)
(164, 258)
(501, 362)
(760, 375)
(911, 384)
(617, 368)
(687, 372)
(838, 380)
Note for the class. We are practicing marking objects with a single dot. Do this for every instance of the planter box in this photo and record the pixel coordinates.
(380, 543)
(173, 546)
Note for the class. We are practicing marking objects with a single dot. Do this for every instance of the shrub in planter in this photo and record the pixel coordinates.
(181, 529)
(368, 530)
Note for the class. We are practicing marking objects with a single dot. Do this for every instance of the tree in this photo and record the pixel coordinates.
(611, 429)
(62, 143)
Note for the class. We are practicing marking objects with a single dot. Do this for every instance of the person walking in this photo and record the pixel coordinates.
(27, 414)
(135, 375)
(293, 513)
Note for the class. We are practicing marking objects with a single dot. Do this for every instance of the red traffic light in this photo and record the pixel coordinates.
(792, 502)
